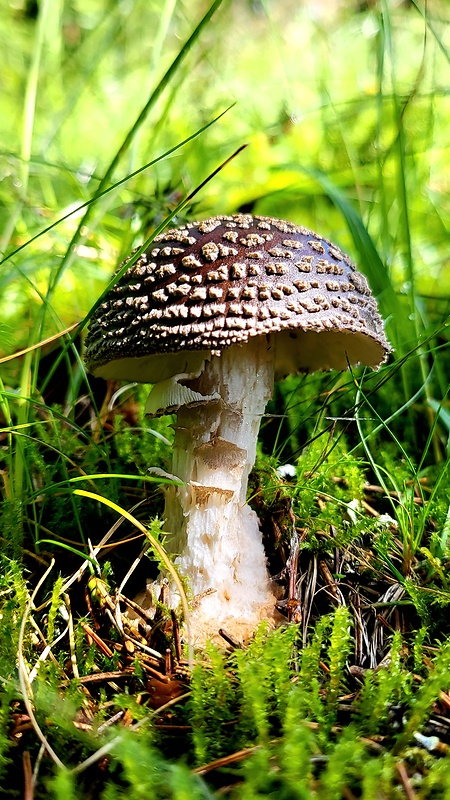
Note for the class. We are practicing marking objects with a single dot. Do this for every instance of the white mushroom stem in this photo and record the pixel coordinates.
(215, 532)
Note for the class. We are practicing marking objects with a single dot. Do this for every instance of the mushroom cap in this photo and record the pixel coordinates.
(208, 285)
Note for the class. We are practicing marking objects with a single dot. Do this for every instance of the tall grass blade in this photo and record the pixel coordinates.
(140, 120)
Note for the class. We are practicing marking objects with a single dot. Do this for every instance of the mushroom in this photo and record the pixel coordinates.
(211, 314)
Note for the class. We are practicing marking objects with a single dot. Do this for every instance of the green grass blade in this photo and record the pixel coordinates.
(140, 120)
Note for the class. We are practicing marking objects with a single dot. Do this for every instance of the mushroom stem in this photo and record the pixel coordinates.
(215, 532)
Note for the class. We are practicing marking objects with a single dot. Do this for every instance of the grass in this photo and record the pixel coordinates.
(127, 109)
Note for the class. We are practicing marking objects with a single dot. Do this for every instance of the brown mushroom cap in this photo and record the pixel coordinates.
(207, 285)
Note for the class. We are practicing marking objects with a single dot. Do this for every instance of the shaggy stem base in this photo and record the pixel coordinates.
(216, 534)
